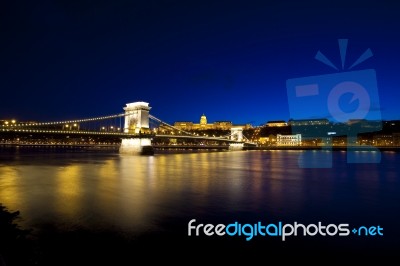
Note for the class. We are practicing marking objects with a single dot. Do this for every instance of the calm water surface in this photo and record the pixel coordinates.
(147, 202)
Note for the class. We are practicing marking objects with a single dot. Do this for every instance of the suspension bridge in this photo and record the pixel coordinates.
(138, 130)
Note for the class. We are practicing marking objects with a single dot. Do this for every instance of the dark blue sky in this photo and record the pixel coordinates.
(227, 59)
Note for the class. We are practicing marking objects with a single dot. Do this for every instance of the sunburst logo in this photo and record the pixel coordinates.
(343, 49)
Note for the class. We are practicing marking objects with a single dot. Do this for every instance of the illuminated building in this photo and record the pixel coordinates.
(383, 139)
(204, 125)
(288, 140)
(278, 123)
(309, 122)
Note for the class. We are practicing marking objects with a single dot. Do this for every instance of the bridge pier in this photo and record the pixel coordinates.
(236, 146)
(236, 134)
(136, 146)
(137, 123)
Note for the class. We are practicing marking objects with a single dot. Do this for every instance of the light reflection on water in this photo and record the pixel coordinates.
(136, 194)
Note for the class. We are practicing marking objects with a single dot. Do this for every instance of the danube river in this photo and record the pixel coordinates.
(103, 206)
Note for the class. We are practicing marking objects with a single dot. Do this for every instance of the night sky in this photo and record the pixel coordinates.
(227, 59)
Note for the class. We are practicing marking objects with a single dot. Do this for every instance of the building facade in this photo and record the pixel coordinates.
(309, 122)
(204, 125)
(288, 140)
(276, 123)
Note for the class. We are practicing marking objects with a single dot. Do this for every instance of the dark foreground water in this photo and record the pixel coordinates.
(97, 207)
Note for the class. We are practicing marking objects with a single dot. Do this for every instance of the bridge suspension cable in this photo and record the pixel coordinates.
(72, 121)
(171, 126)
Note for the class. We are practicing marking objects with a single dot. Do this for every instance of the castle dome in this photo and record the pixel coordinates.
(203, 120)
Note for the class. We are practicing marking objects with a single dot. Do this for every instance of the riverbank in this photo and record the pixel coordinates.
(334, 148)
(15, 247)
(158, 148)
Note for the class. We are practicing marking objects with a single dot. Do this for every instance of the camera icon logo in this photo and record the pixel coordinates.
(337, 105)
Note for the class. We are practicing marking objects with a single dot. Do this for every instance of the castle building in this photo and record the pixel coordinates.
(204, 125)
(276, 123)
